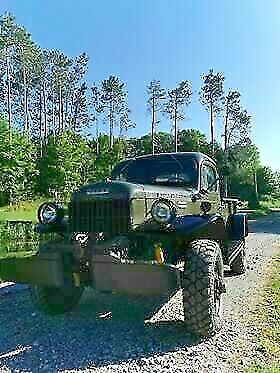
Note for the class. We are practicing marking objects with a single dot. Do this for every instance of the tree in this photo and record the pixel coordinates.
(106, 159)
(113, 102)
(7, 46)
(18, 170)
(236, 126)
(211, 96)
(244, 161)
(177, 99)
(62, 166)
(125, 123)
(238, 130)
(76, 94)
(232, 110)
(265, 180)
(96, 110)
(276, 184)
(27, 57)
(155, 104)
(193, 140)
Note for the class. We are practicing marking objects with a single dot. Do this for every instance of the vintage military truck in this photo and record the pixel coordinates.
(159, 224)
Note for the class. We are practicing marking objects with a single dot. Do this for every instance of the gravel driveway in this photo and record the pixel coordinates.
(110, 337)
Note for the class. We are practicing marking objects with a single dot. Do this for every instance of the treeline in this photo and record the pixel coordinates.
(70, 160)
(50, 133)
(44, 92)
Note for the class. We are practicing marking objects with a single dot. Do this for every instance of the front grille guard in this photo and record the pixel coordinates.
(110, 216)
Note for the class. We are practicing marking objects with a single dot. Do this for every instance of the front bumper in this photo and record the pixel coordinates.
(44, 269)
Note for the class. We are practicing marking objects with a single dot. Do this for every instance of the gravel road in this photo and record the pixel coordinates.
(110, 337)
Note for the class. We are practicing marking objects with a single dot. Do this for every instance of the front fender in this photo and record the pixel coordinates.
(61, 227)
(207, 226)
(237, 226)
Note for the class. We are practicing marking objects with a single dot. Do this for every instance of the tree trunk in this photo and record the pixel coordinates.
(45, 112)
(62, 116)
(97, 137)
(60, 111)
(256, 188)
(9, 101)
(111, 124)
(212, 128)
(153, 125)
(25, 104)
(76, 110)
(175, 129)
(53, 113)
(226, 149)
(41, 124)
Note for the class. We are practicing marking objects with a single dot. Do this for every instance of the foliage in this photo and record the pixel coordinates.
(17, 165)
(113, 104)
(155, 103)
(47, 147)
(106, 159)
(62, 166)
(211, 96)
(266, 180)
(193, 140)
(177, 100)
(243, 163)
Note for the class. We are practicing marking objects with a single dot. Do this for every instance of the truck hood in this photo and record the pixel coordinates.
(125, 190)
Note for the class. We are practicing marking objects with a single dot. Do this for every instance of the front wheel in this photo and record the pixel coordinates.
(56, 300)
(203, 287)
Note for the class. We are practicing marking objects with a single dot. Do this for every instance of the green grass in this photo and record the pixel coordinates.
(268, 322)
(264, 208)
(17, 254)
(23, 211)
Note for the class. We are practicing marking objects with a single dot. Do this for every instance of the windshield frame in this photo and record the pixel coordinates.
(123, 167)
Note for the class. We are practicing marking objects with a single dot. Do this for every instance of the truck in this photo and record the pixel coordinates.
(158, 225)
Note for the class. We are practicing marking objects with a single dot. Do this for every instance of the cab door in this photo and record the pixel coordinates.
(209, 186)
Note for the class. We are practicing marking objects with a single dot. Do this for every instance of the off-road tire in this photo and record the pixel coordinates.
(238, 266)
(203, 285)
(55, 300)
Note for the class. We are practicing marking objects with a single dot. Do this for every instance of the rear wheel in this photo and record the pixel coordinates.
(203, 287)
(56, 300)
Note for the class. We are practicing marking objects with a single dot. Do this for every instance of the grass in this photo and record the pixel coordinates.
(268, 322)
(264, 208)
(17, 254)
(23, 211)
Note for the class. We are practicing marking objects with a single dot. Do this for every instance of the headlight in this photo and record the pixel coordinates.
(50, 213)
(162, 212)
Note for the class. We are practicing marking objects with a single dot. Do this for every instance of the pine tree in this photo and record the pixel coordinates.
(155, 103)
(113, 102)
(211, 96)
(178, 99)
(8, 30)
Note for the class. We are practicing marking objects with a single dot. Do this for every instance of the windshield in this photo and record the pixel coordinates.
(168, 170)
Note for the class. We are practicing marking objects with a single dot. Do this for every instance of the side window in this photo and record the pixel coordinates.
(208, 178)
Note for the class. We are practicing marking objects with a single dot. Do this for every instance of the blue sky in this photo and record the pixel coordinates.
(171, 41)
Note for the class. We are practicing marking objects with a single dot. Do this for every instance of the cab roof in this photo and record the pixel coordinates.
(199, 157)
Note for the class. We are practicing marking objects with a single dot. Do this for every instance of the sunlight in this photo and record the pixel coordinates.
(15, 352)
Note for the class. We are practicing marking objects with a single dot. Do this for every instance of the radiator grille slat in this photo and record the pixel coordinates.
(110, 216)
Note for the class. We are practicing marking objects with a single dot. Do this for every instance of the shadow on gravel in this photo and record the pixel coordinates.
(269, 224)
(92, 335)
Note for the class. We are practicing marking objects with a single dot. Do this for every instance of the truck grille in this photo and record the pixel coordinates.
(100, 215)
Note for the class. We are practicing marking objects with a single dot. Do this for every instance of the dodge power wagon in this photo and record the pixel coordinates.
(158, 225)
